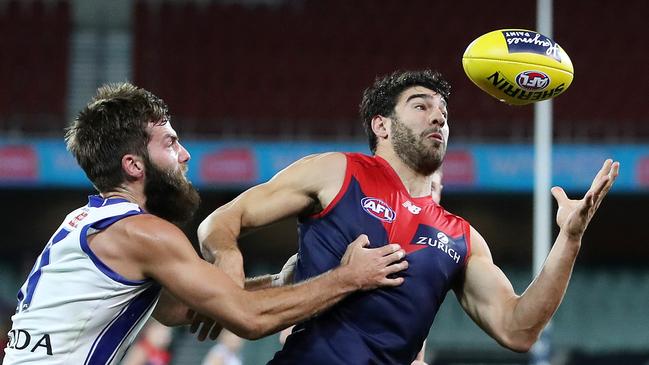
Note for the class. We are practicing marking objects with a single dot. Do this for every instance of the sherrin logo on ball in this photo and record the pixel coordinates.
(518, 66)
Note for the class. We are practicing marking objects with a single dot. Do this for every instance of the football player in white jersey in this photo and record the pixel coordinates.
(101, 274)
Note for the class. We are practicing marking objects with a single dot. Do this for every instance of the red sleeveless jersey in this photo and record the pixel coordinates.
(387, 325)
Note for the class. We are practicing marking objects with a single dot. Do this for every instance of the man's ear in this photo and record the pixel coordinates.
(133, 166)
(380, 126)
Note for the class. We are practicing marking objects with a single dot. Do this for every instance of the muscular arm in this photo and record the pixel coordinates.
(164, 254)
(311, 181)
(516, 321)
(489, 298)
(170, 311)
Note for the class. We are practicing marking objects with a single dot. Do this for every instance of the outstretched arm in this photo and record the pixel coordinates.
(306, 185)
(164, 254)
(487, 295)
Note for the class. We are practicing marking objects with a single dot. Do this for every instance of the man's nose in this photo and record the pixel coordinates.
(183, 155)
(438, 118)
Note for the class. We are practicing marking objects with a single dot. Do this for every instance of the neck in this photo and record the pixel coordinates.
(125, 192)
(418, 185)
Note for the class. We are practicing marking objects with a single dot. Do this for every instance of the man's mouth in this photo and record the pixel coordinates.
(435, 136)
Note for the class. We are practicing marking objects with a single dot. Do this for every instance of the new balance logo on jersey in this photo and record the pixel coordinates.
(23, 340)
(412, 208)
(441, 242)
(378, 209)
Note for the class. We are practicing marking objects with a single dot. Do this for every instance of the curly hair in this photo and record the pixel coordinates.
(382, 96)
(111, 125)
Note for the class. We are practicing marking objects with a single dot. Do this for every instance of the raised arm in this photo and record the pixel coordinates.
(164, 254)
(305, 186)
(487, 295)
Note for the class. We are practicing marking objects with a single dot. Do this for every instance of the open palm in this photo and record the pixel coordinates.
(573, 216)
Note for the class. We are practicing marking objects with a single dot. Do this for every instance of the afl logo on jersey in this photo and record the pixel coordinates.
(378, 209)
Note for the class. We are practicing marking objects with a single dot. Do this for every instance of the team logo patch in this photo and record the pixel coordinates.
(532, 80)
(531, 42)
(378, 209)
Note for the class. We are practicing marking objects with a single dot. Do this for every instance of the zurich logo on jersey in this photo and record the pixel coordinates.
(378, 209)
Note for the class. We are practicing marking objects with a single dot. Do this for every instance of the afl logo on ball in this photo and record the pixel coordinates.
(532, 80)
(378, 209)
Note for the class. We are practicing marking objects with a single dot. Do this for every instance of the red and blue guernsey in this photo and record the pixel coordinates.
(387, 325)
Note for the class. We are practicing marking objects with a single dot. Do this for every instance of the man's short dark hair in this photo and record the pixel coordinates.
(382, 96)
(112, 125)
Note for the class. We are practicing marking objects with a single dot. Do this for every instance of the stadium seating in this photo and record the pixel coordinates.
(285, 68)
(300, 67)
(34, 39)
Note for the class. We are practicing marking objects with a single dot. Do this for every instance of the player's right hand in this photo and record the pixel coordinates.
(370, 268)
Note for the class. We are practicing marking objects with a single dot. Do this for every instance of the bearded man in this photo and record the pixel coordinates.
(387, 196)
(101, 274)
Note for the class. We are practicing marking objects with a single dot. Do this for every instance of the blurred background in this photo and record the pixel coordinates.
(254, 85)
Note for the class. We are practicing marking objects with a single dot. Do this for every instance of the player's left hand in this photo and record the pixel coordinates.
(209, 326)
(573, 216)
(418, 362)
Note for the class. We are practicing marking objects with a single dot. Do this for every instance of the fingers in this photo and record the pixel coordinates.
(205, 330)
(600, 188)
(604, 181)
(612, 176)
(204, 323)
(190, 314)
(559, 195)
(388, 249)
(362, 241)
(395, 268)
(392, 282)
(588, 203)
(604, 171)
(615, 169)
(394, 256)
(216, 330)
(196, 322)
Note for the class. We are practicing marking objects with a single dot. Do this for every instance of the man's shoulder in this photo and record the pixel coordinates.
(144, 228)
(458, 224)
(320, 167)
(325, 159)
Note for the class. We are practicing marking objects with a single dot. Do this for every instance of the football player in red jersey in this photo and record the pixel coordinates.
(387, 196)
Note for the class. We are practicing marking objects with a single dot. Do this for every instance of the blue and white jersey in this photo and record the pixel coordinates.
(73, 309)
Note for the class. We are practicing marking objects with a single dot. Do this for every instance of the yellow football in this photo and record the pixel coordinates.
(518, 66)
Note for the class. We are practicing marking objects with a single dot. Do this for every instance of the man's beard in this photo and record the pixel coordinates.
(169, 195)
(414, 152)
